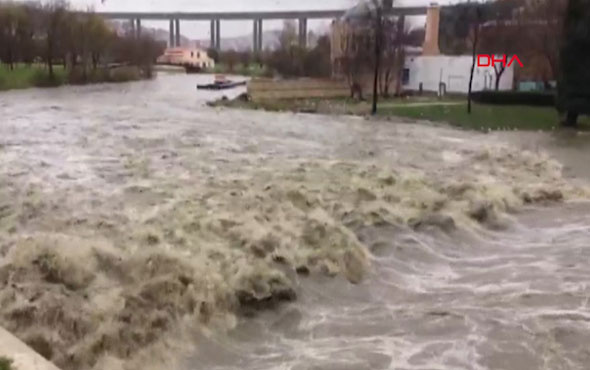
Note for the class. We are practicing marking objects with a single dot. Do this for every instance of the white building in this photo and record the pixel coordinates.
(193, 57)
(450, 74)
(425, 68)
(434, 72)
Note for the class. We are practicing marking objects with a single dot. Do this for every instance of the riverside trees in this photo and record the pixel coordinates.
(52, 34)
(574, 77)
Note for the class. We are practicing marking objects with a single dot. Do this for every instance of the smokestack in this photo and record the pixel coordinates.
(430, 46)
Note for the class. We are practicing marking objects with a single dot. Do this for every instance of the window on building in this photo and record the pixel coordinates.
(192, 54)
(406, 76)
(199, 55)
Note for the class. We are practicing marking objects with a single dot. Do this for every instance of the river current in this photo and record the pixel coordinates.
(142, 229)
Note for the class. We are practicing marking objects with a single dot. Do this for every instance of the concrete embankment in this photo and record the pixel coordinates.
(23, 357)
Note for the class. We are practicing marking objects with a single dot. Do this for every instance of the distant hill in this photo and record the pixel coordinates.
(157, 33)
(270, 41)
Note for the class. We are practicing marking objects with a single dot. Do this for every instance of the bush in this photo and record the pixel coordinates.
(41, 78)
(125, 74)
(5, 363)
(79, 76)
(544, 99)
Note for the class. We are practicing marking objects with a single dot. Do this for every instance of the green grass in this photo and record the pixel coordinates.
(252, 70)
(23, 76)
(335, 105)
(485, 117)
(5, 363)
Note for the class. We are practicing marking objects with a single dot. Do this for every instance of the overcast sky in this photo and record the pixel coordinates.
(200, 30)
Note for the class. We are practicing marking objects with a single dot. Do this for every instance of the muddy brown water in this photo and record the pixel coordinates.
(474, 249)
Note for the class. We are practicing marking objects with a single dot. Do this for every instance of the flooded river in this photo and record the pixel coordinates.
(141, 229)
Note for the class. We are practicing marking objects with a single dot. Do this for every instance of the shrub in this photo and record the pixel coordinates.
(41, 78)
(5, 363)
(79, 76)
(124, 74)
(545, 99)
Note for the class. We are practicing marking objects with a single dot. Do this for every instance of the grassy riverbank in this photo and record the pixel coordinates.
(325, 105)
(23, 76)
(251, 70)
(485, 116)
(452, 111)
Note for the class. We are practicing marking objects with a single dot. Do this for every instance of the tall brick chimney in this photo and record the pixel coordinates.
(430, 46)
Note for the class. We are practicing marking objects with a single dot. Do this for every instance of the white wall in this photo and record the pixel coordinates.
(454, 72)
(191, 56)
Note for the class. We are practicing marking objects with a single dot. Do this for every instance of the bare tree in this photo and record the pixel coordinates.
(378, 40)
(10, 17)
(288, 36)
(415, 37)
(354, 45)
(55, 16)
(393, 55)
(543, 21)
(231, 59)
(475, 18)
(370, 17)
(501, 39)
(26, 30)
(100, 39)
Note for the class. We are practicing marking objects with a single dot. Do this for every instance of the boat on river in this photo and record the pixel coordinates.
(221, 83)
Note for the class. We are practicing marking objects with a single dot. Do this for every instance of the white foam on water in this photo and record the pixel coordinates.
(158, 230)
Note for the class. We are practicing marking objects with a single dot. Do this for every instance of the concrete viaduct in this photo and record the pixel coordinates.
(256, 17)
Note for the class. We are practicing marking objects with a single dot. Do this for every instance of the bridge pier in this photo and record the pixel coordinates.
(212, 43)
(132, 27)
(171, 34)
(303, 32)
(218, 34)
(215, 34)
(257, 36)
(177, 32)
(402, 22)
(138, 28)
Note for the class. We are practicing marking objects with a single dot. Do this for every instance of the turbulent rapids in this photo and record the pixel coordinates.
(140, 229)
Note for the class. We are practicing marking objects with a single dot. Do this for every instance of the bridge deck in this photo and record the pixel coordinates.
(196, 16)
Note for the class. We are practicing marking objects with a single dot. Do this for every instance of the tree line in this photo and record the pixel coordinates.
(531, 29)
(287, 59)
(552, 36)
(53, 34)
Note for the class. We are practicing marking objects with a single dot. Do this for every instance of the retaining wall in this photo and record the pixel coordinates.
(260, 89)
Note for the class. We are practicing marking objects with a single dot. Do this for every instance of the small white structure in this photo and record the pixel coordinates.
(193, 57)
(450, 74)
